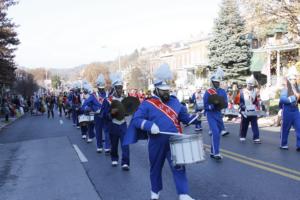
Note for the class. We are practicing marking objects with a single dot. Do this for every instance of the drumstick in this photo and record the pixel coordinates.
(170, 133)
(197, 115)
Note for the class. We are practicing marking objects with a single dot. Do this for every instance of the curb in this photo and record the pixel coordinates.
(12, 120)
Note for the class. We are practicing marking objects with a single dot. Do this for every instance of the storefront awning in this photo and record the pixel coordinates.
(258, 60)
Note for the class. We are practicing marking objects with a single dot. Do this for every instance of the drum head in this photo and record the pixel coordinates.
(120, 114)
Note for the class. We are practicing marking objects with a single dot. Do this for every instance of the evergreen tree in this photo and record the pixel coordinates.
(229, 48)
(8, 41)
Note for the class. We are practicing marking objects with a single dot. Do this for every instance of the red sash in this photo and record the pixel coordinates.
(109, 99)
(212, 91)
(169, 112)
(100, 99)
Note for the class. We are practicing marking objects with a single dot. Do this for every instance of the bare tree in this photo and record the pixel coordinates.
(92, 71)
(268, 13)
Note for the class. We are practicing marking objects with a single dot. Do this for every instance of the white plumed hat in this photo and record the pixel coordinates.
(218, 75)
(100, 82)
(87, 87)
(161, 75)
(116, 79)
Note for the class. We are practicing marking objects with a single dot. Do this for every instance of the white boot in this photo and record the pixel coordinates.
(185, 197)
(154, 196)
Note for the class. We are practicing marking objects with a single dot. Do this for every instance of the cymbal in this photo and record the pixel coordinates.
(130, 104)
(120, 114)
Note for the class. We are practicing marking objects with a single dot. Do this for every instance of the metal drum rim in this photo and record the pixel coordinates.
(184, 137)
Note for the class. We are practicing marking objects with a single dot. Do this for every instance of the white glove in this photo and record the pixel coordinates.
(154, 129)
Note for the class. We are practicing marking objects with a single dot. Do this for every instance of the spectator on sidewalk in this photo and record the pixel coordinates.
(5, 108)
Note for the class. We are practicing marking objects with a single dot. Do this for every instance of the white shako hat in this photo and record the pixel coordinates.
(161, 76)
(100, 82)
(218, 75)
(251, 81)
(116, 79)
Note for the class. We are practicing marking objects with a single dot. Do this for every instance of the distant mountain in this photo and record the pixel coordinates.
(68, 74)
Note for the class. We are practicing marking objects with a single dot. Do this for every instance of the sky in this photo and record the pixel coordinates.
(68, 33)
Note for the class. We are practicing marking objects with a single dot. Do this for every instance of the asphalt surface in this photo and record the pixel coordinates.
(38, 161)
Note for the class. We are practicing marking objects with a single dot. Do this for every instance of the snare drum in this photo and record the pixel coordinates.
(85, 119)
(258, 113)
(187, 149)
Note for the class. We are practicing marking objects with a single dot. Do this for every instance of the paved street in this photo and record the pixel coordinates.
(38, 161)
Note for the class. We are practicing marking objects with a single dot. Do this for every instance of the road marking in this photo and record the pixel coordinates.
(294, 177)
(263, 162)
(286, 172)
(80, 154)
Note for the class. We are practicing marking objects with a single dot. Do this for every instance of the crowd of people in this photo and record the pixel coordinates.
(13, 105)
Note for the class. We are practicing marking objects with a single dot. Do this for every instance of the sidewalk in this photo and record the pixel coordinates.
(3, 123)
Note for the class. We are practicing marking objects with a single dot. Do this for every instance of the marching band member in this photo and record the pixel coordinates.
(162, 112)
(102, 126)
(94, 102)
(197, 100)
(289, 100)
(76, 102)
(249, 102)
(213, 112)
(87, 107)
(117, 128)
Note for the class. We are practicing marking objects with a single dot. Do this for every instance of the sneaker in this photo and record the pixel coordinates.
(99, 150)
(89, 140)
(185, 197)
(217, 156)
(224, 133)
(298, 149)
(154, 196)
(107, 152)
(83, 136)
(210, 133)
(78, 127)
(284, 147)
(74, 125)
(257, 141)
(114, 163)
(242, 139)
(125, 167)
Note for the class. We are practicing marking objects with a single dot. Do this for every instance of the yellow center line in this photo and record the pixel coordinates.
(230, 154)
(297, 178)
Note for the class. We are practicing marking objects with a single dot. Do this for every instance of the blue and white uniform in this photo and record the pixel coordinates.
(158, 146)
(88, 106)
(214, 118)
(117, 130)
(290, 117)
(94, 105)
